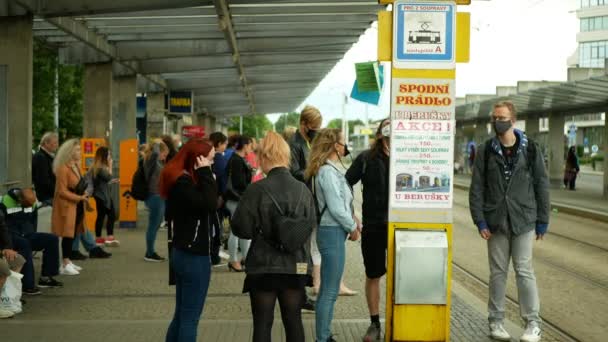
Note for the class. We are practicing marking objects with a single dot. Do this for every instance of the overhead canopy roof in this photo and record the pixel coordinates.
(238, 56)
(580, 95)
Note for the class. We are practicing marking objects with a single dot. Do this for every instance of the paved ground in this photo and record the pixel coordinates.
(127, 299)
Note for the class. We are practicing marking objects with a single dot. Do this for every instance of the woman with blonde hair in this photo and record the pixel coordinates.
(273, 273)
(68, 203)
(155, 155)
(335, 199)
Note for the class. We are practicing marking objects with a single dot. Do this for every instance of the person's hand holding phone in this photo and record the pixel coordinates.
(201, 161)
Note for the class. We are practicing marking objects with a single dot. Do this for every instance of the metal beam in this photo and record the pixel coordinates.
(96, 42)
(150, 21)
(305, 26)
(168, 49)
(226, 24)
(184, 64)
(305, 9)
(310, 19)
(59, 8)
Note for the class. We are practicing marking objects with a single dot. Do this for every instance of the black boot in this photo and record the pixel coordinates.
(99, 253)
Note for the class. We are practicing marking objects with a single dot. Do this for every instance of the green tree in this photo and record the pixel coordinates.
(288, 119)
(254, 126)
(43, 95)
(337, 123)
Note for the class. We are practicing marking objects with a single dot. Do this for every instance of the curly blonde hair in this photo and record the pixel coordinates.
(322, 148)
(64, 154)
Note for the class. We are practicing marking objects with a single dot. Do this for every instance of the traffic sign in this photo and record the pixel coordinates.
(424, 35)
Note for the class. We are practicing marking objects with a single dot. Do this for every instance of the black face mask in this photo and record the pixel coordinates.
(501, 127)
(311, 134)
(346, 151)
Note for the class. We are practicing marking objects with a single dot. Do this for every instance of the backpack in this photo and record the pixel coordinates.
(139, 185)
(290, 230)
(530, 155)
(314, 196)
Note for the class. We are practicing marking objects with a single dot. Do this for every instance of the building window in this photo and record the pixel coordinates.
(591, 3)
(592, 54)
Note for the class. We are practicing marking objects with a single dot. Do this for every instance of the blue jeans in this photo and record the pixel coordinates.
(192, 274)
(49, 244)
(156, 209)
(331, 242)
(87, 238)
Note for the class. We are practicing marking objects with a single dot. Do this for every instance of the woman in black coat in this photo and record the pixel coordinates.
(273, 274)
(188, 185)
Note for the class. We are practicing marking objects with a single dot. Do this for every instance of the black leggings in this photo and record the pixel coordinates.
(102, 212)
(262, 308)
(66, 247)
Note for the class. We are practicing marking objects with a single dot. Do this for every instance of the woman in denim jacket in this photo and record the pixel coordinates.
(338, 222)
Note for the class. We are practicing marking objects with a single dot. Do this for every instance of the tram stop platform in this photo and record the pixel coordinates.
(586, 201)
(127, 299)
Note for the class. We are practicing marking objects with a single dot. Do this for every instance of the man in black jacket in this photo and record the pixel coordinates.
(42, 168)
(371, 167)
(510, 205)
(310, 123)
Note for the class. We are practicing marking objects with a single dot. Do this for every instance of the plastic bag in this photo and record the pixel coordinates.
(10, 297)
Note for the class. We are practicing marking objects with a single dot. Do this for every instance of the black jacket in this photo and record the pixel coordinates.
(240, 173)
(256, 211)
(43, 176)
(190, 208)
(373, 172)
(299, 157)
(5, 236)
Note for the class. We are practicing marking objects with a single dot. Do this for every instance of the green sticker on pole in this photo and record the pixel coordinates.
(368, 76)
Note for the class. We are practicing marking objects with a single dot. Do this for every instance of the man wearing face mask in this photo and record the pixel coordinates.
(509, 203)
(371, 168)
(310, 123)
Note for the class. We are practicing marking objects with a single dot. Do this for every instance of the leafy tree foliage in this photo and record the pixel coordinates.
(288, 119)
(70, 95)
(254, 126)
(337, 123)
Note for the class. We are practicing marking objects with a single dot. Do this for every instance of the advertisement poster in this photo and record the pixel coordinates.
(422, 142)
(424, 35)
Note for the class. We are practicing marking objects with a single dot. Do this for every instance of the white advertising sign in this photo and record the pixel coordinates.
(422, 142)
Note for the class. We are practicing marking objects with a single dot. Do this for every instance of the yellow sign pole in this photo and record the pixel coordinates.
(423, 40)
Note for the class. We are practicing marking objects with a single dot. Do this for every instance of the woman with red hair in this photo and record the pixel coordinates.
(188, 185)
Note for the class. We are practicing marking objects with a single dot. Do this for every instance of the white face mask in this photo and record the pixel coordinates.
(386, 131)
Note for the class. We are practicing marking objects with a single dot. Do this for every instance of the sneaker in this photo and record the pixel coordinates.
(309, 306)
(154, 258)
(32, 292)
(49, 282)
(100, 241)
(373, 334)
(163, 226)
(4, 313)
(532, 333)
(68, 270)
(112, 242)
(76, 267)
(498, 332)
(76, 255)
(99, 253)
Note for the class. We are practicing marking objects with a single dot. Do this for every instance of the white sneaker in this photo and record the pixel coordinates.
(532, 333)
(76, 267)
(498, 332)
(6, 313)
(68, 270)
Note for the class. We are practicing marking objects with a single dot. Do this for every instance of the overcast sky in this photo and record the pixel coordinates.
(511, 40)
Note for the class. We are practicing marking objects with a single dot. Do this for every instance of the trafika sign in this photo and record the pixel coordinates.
(424, 35)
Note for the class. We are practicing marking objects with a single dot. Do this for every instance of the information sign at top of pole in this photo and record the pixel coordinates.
(424, 35)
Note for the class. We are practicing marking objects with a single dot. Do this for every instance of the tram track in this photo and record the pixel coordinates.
(547, 324)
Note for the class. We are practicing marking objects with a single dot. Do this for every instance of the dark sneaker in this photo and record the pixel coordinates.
(373, 334)
(99, 253)
(76, 255)
(49, 282)
(154, 258)
(309, 305)
(32, 292)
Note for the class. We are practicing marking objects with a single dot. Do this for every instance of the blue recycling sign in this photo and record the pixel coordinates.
(424, 35)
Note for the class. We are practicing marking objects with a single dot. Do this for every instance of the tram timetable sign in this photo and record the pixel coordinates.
(424, 35)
